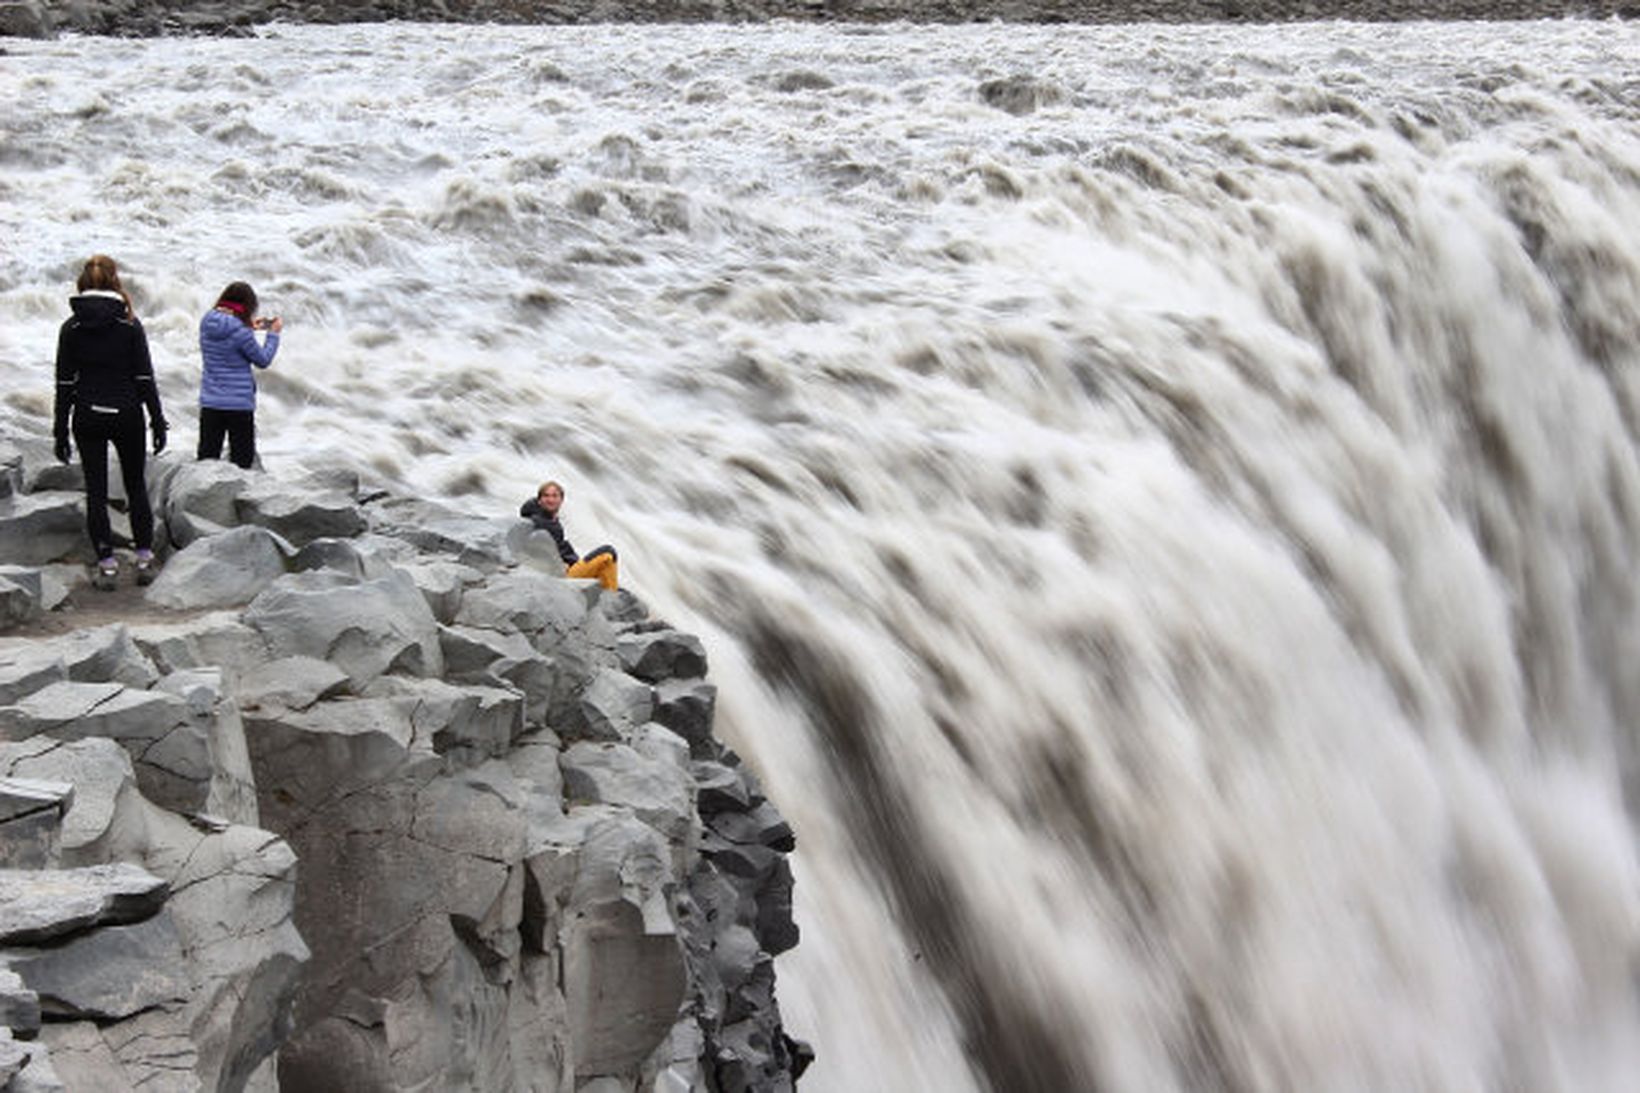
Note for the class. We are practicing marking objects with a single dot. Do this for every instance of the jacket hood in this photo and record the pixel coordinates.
(220, 323)
(98, 308)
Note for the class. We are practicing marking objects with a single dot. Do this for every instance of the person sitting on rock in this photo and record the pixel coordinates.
(542, 511)
(105, 378)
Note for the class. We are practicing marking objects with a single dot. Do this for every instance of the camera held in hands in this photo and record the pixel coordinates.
(265, 324)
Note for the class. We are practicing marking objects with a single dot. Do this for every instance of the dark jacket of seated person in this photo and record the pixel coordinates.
(542, 511)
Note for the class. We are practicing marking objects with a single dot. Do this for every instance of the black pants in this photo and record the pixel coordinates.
(93, 432)
(240, 428)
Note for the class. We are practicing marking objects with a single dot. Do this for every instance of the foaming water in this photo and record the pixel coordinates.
(1162, 503)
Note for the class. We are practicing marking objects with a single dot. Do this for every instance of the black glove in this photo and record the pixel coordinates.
(62, 449)
(160, 428)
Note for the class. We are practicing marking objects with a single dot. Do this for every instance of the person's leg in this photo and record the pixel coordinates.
(91, 438)
(131, 444)
(213, 426)
(242, 438)
(600, 566)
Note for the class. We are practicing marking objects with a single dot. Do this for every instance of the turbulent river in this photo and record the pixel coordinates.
(1162, 503)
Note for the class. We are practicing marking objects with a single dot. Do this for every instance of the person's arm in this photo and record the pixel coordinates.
(565, 551)
(142, 372)
(258, 353)
(68, 384)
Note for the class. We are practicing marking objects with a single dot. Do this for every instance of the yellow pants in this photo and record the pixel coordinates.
(600, 567)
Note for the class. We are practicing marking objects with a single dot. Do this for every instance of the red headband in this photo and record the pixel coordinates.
(232, 305)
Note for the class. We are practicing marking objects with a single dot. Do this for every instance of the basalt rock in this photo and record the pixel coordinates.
(199, 498)
(299, 517)
(47, 905)
(20, 595)
(686, 706)
(365, 628)
(377, 809)
(662, 655)
(42, 527)
(224, 570)
(31, 820)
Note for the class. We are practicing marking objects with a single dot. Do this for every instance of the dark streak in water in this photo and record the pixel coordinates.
(1012, 1043)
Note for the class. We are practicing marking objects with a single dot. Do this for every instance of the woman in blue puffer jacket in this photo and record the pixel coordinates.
(227, 388)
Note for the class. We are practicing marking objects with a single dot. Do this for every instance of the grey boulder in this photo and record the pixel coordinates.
(172, 750)
(686, 707)
(37, 528)
(223, 570)
(109, 973)
(47, 904)
(19, 1006)
(364, 628)
(20, 595)
(297, 517)
(106, 802)
(31, 821)
(292, 683)
(624, 973)
(612, 707)
(662, 654)
(476, 541)
(657, 790)
(198, 498)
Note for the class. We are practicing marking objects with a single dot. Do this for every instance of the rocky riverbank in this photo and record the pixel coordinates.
(153, 17)
(361, 794)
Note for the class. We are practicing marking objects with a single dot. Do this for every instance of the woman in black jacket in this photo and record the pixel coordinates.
(104, 379)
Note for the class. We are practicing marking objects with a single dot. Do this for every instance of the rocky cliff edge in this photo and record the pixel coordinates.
(360, 794)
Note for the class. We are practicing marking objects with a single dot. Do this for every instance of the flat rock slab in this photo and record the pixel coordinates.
(77, 710)
(23, 796)
(294, 683)
(24, 669)
(103, 654)
(39, 905)
(108, 974)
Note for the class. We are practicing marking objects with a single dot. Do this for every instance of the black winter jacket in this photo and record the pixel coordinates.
(532, 511)
(103, 362)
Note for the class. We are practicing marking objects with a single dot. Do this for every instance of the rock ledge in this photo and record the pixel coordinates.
(355, 797)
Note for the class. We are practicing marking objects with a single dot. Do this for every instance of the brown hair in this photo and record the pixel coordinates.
(543, 488)
(102, 275)
(240, 299)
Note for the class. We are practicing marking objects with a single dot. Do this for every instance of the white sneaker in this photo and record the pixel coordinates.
(107, 576)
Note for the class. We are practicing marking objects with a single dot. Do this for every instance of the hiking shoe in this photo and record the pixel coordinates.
(145, 567)
(107, 575)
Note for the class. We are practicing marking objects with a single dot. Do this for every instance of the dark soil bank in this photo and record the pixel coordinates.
(151, 17)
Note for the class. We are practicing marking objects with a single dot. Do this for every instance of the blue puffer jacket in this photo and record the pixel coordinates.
(229, 348)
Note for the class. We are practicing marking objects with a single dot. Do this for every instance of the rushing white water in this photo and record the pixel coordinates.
(1170, 552)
